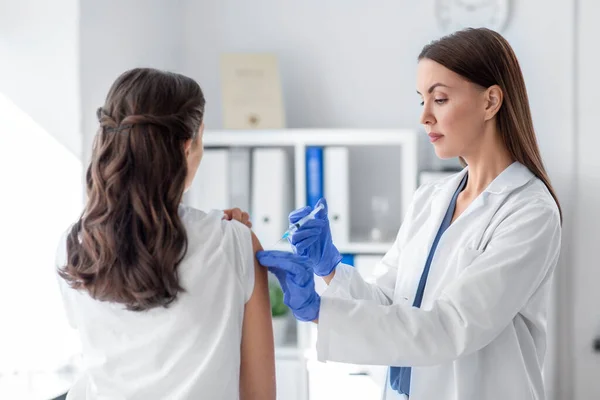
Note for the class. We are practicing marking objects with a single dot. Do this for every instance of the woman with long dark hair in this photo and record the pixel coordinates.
(169, 301)
(459, 309)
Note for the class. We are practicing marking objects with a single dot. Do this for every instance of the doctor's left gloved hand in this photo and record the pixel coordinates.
(295, 275)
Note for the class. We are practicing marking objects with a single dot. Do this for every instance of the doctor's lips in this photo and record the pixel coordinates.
(434, 136)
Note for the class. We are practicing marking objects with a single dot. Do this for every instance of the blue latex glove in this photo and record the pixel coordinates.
(297, 281)
(314, 241)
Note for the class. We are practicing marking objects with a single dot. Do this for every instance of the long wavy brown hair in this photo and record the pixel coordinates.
(485, 58)
(129, 240)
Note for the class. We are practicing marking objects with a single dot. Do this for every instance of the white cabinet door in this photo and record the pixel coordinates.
(289, 375)
(328, 381)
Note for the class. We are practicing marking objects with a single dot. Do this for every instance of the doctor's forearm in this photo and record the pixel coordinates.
(397, 335)
(346, 282)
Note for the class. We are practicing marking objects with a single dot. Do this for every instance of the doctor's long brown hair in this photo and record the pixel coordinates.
(485, 58)
(129, 240)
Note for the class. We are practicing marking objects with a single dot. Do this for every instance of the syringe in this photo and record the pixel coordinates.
(294, 227)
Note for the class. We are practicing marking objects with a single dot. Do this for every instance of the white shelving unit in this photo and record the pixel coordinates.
(400, 172)
(299, 139)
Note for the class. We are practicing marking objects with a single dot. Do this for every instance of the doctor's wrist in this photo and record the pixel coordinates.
(326, 268)
(329, 278)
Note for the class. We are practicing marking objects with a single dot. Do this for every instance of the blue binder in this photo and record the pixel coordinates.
(348, 259)
(314, 175)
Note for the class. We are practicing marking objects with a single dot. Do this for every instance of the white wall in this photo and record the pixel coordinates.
(352, 64)
(585, 268)
(40, 172)
(39, 64)
(119, 35)
(349, 63)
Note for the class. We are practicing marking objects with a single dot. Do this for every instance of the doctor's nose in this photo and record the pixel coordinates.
(427, 117)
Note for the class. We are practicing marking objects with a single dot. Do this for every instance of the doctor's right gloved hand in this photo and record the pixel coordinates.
(295, 275)
(314, 241)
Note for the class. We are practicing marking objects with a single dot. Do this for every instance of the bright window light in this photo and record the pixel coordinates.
(40, 196)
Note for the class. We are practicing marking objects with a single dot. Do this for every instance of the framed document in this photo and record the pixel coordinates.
(252, 96)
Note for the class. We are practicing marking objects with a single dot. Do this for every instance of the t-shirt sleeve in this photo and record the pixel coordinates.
(239, 240)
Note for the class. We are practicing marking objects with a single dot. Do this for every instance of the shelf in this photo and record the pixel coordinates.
(375, 155)
(294, 137)
(365, 248)
(348, 248)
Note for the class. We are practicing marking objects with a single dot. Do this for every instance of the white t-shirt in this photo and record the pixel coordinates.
(190, 350)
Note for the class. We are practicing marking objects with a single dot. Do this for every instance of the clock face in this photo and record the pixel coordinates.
(453, 15)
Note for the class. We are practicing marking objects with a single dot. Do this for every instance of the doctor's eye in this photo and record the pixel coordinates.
(422, 103)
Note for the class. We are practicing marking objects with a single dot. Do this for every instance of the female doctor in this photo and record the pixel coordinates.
(459, 311)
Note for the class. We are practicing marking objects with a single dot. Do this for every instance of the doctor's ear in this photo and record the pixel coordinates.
(493, 101)
(187, 146)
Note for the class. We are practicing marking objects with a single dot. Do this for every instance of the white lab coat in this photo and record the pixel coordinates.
(480, 333)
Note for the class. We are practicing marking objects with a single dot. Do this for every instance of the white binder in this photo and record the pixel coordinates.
(239, 177)
(210, 189)
(337, 191)
(271, 194)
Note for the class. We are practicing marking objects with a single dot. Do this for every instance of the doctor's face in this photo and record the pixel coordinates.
(453, 109)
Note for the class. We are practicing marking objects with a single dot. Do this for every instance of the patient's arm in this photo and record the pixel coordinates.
(257, 372)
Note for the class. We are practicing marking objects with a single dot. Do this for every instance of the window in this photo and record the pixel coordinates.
(40, 196)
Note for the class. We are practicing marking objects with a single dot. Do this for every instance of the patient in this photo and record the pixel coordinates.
(170, 302)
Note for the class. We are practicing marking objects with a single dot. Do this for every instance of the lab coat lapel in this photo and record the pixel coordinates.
(441, 200)
(442, 195)
(513, 177)
(488, 202)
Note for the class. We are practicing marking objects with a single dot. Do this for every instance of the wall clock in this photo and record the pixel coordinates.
(453, 15)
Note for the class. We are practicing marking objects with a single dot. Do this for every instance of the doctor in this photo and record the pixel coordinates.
(459, 310)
